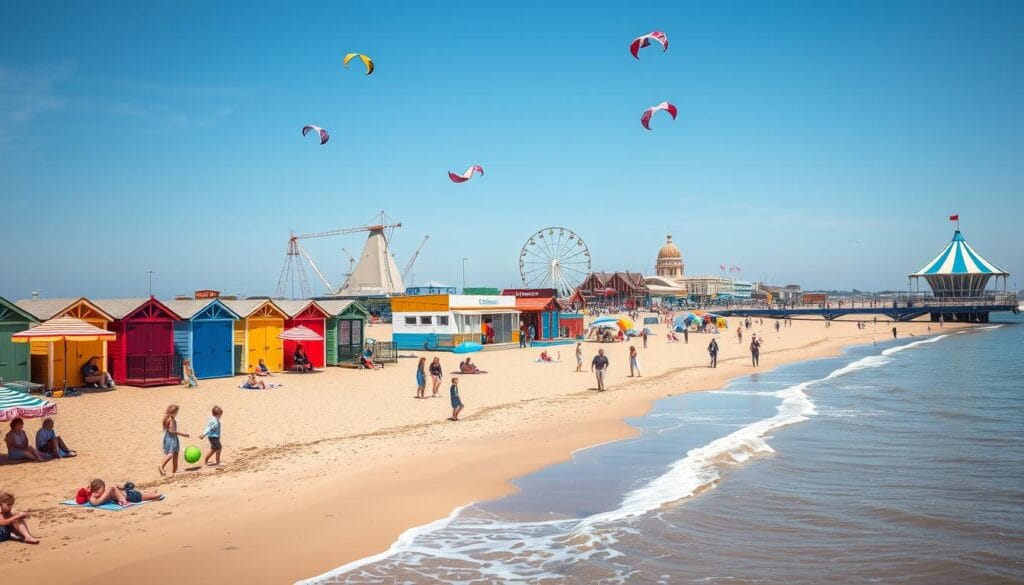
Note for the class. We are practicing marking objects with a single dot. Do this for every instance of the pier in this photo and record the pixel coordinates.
(896, 307)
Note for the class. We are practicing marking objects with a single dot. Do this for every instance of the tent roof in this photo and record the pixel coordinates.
(376, 272)
(958, 258)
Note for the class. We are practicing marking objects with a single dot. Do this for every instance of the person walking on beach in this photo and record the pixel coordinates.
(171, 443)
(776, 326)
(644, 336)
(739, 335)
(713, 352)
(531, 334)
(421, 378)
(435, 375)
(755, 350)
(456, 401)
(599, 365)
(213, 432)
(522, 335)
(686, 334)
(894, 333)
(634, 365)
(579, 357)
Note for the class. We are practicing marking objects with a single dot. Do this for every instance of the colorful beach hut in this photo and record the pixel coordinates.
(571, 324)
(256, 334)
(46, 358)
(205, 335)
(312, 316)
(345, 331)
(143, 354)
(540, 308)
(14, 357)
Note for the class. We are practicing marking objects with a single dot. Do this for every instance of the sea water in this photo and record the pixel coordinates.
(901, 462)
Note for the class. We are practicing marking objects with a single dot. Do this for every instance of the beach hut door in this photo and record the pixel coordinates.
(211, 348)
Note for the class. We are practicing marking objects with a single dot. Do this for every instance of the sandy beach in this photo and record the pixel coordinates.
(333, 466)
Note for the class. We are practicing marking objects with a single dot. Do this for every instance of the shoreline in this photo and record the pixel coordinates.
(305, 509)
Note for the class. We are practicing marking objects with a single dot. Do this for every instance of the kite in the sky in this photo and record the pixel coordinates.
(645, 41)
(324, 136)
(467, 175)
(645, 119)
(366, 61)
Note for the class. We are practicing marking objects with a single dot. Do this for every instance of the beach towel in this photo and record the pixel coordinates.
(110, 507)
(540, 361)
(269, 386)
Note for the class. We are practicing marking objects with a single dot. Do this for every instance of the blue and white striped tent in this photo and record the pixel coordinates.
(958, 270)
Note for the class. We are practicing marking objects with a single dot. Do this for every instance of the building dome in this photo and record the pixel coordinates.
(669, 250)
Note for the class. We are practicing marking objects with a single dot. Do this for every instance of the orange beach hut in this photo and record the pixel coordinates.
(47, 358)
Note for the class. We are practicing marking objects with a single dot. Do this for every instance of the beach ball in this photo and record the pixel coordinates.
(192, 454)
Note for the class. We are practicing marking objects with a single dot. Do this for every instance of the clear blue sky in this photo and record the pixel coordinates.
(817, 143)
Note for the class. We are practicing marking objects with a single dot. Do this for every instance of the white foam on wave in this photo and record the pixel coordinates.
(539, 550)
(900, 348)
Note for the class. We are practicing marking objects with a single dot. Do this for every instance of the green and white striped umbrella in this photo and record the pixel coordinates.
(14, 404)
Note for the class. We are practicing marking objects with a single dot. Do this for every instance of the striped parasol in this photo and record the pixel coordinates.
(300, 333)
(14, 404)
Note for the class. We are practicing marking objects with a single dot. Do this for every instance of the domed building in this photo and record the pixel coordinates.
(670, 260)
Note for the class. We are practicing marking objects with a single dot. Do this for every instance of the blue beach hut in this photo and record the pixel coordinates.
(205, 335)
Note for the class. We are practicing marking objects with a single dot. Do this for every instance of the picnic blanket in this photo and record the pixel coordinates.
(109, 506)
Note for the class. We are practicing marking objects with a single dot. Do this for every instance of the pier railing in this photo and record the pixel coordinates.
(881, 302)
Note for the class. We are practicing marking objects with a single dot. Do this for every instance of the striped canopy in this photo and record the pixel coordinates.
(959, 259)
(300, 333)
(64, 328)
(14, 404)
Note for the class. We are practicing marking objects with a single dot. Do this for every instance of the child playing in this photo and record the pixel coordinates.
(12, 524)
(125, 495)
(188, 375)
(213, 431)
(253, 384)
(456, 401)
(171, 443)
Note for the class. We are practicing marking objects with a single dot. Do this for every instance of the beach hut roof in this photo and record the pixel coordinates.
(121, 308)
(959, 258)
(336, 307)
(246, 307)
(61, 328)
(293, 308)
(188, 308)
(43, 309)
(6, 305)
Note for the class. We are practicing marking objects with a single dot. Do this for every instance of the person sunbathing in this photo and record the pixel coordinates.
(467, 367)
(49, 443)
(251, 383)
(544, 357)
(124, 495)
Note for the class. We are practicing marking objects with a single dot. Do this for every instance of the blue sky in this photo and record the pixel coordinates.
(817, 143)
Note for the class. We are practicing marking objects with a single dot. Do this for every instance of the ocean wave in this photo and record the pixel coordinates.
(900, 348)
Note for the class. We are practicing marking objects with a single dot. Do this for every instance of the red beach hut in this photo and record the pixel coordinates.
(311, 316)
(143, 354)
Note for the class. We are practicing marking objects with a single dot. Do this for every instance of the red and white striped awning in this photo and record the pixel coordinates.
(64, 328)
(300, 333)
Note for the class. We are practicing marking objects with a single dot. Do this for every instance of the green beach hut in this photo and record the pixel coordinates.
(14, 361)
(345, 331)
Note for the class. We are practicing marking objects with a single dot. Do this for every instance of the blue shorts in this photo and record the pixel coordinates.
(5, 533)
(456, 403)
(133, 496)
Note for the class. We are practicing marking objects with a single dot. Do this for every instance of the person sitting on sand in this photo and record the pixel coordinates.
(302, 362)
(13, 524)
(366, 359)
(188, 375)
(124, 495)
(251, 383)
(621, 336)
(95, 377)
(544, 357)
(49, 443)
(468, 367)
(18, 448)
(262, 369)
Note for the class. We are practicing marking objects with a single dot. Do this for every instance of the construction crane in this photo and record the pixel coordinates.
(294, 273)
(415, 255)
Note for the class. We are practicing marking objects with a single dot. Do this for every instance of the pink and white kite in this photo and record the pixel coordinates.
(466, 175)
(645, 119)
(645, 41)
(324, 136)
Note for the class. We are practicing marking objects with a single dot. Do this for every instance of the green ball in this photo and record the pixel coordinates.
(192, 454)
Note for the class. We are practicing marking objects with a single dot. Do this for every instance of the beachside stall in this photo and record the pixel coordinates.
(346, 330)
(205, 336)
(47, 358)
(14, 362)
(454, 322)
(256, 334)
(64, 331)
(540, 308)
(312, 316)
(143, 354)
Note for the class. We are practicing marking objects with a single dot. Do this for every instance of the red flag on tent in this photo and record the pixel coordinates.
(954, 217)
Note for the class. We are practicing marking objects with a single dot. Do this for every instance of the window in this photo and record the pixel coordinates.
(442, 320)
(426, 320)
(410, 320)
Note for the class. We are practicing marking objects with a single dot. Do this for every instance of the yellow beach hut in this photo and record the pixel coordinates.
(47, 358)
(256, 334)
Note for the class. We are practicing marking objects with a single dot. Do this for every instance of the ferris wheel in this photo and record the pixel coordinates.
(554, 257)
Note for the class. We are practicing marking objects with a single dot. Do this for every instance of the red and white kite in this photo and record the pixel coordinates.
(645, 41)
(645, 119)
(324, 136)
(466, 175)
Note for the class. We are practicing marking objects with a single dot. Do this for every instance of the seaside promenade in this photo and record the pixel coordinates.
(333, 466)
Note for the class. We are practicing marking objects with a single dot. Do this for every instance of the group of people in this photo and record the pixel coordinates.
(48, 444)
(172, 441)
(436, 375)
